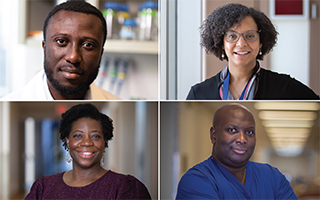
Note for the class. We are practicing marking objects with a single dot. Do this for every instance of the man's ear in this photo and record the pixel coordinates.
(43, 45)
(213, 134)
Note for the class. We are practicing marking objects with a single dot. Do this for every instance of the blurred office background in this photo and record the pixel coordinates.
(30, 146)
(183, 63)
(129, 65)
(287, 138)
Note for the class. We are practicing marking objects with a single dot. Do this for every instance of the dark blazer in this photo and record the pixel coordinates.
(271, 86)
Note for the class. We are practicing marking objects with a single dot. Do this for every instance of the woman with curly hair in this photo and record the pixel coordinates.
(243, 35)
(85, 133)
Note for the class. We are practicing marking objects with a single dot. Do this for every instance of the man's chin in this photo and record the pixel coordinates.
(70, 90)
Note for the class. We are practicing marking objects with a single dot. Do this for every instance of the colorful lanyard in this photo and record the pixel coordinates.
(226, 87)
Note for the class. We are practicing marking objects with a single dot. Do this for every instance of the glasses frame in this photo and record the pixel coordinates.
(241, 34)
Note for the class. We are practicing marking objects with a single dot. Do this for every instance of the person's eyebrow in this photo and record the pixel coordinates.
(59, 34)
(95, 131)
(77, 130)
(85, 37)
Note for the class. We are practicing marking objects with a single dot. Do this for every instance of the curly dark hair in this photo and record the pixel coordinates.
(84, 111)
(76, 6)
(223, 18)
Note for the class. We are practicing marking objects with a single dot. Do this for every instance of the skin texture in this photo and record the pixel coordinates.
(233, 138)
(248, 60)
(86, 136)
(72, 51)
(241, 66)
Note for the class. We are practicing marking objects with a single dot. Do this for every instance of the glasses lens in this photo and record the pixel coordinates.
(251, 36)
(231, 36)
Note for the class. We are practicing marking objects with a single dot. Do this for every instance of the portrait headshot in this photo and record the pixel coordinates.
(74, 150)
(242, 36)
(79, 60)
(232, 50)
(251, 150)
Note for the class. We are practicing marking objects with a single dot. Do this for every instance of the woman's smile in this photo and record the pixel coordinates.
(86, 142)
(86, 154)
(242, 53)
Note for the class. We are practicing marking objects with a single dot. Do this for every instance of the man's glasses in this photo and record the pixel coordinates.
(249, 36)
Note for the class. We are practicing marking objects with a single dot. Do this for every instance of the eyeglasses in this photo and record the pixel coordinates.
(249, 36)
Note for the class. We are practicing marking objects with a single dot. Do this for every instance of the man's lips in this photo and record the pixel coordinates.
(239, 151)
(70, 73)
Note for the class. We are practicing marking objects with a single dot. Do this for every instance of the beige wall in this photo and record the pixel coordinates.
(194, 143)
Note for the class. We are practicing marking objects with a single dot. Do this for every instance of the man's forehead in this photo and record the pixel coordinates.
(65, 15)
(232, 112)
(75, 24)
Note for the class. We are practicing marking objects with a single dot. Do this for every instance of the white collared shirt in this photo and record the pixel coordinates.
(37, 89)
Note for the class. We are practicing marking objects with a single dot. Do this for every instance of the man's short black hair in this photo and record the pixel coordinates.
(84, 111)
(76, 6)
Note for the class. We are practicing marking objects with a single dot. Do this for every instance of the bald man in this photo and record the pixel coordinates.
(228, 173)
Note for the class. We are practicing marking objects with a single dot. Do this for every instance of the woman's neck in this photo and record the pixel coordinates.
(240, 73)
(239, 76)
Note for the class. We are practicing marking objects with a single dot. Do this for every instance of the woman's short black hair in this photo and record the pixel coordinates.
(223, 18)
(84, 111)
(76, 6)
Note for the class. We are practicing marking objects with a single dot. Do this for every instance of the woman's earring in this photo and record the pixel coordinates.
(102, 161)
(68, 158)
(260, 53)
(222, 56)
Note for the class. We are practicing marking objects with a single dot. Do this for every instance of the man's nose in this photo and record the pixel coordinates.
(73, 54)
(242, 138)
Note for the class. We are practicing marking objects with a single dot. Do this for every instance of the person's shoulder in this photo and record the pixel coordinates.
(128, 186)
(264, 168)
(274, 75)
(98, 93)
(112, 174)
(118, 177)
(16, 95)
(200, 170)
(278, 78)
(273, 85)
(42, 184)
(198, 182)
(206, 90)
(202, 166)
(32, 91)
(208, 82)
(50, 179)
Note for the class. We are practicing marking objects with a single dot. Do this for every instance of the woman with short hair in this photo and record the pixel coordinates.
(85, 133)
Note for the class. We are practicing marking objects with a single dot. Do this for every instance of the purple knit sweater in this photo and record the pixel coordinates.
(110, 186)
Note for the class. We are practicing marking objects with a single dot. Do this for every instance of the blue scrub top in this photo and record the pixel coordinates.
(210, 180)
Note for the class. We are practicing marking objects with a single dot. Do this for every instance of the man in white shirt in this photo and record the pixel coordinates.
(74, 36)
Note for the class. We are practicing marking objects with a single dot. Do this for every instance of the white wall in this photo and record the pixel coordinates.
(189, 13)
(291, 54)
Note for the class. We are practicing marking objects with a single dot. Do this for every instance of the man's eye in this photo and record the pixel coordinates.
(232, 130)
(88, 45)
(250, 132)
(60, 41)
